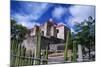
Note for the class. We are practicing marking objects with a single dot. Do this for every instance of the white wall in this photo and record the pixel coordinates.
(60, 33)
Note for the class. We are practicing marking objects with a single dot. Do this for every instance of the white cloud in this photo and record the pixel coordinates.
(36, 9)
(61, 23)
(59, 12)
(29, 25)
(20, 17)
(82, 10)
(80, 13)
(25, 21)
(29, 13)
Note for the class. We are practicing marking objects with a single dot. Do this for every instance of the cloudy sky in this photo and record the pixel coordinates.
(29, 14)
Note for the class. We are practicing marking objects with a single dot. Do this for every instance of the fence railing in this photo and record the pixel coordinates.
(19, 57)
(24, 60)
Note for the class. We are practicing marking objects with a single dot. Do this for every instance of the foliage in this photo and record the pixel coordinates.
(18, 31)
(85, 33)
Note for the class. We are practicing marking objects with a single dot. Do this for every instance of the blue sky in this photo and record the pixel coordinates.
(29, 14)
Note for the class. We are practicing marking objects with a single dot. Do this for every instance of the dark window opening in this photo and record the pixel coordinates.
(42, 33)
(57, 31)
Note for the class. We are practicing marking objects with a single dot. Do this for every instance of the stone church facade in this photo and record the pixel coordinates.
(53, 36)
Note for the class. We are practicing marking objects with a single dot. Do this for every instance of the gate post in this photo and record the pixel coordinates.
(37, 56)
(66, 44)
(74, 51)
(46, 56)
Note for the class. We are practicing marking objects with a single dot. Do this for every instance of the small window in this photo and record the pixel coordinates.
(57, 31)
(60, 47)
(42, 33)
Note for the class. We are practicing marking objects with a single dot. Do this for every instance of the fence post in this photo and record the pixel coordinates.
(38, 49)
(74, 51)
(23, 54)
(66, 44)
(12, 58)
(45, 56)
(13, 52)
(17, 60)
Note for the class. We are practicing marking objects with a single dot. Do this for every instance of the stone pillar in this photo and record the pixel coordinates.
(80, 56)
(74, 51)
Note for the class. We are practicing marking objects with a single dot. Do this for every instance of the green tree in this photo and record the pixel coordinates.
(18, 33)
(85, 34)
